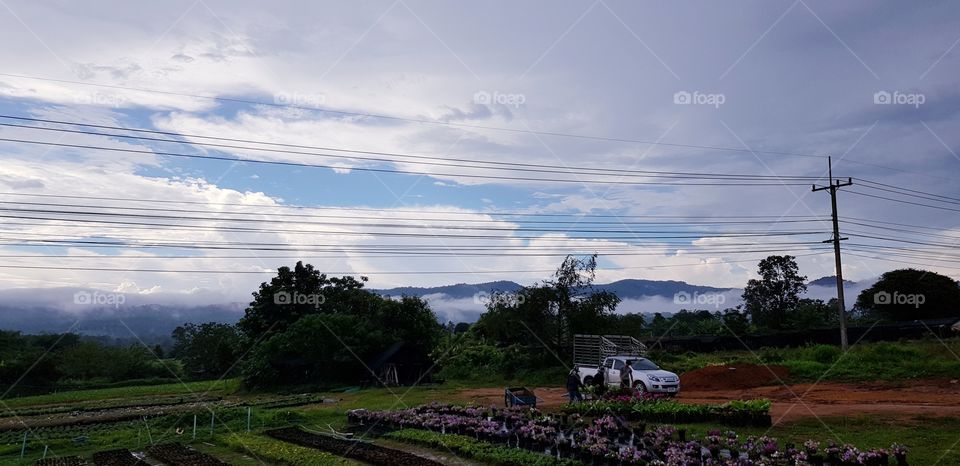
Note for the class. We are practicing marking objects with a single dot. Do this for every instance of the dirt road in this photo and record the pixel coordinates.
(796, 401)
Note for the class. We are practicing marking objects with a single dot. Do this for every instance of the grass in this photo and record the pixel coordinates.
(881, 361)
(273, 451)
(222, 387)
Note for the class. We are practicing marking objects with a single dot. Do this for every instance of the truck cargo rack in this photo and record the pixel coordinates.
(591, 350)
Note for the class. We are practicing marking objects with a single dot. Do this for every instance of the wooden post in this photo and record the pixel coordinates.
(248, 419)
(194, 427)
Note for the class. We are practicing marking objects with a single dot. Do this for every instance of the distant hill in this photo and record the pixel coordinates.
(830, 281)
(150, 323)
(625, 289)
(458, 291)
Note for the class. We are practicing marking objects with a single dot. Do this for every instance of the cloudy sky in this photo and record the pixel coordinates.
(425, 143)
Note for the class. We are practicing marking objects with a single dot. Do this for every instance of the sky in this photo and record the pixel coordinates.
(370, 132)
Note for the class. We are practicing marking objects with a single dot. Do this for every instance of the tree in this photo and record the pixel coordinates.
(813, 313)
(315, 329)
(735, 321)
(295, 293)
(660, 325)
(337, 347)
(909, 294)
(553, 310)
(776, 294)
(210, 349)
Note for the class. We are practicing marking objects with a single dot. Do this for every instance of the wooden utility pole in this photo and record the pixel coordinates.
(832, 188)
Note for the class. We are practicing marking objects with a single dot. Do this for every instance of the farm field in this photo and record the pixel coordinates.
(922, 415)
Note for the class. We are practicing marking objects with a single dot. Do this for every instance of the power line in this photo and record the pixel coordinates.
(902, 201)
(414, 211)
(378, 225)
(383, 170)
(516, 166)
(425, 272)
(900, 261)
(921, 195)
(416, 219)
(420, 120)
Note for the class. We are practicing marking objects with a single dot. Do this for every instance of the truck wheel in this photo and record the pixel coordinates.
(588, 380)
(640, 387)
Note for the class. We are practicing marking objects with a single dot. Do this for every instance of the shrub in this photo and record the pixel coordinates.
(804, 369)
(772, 355)
(825, 354)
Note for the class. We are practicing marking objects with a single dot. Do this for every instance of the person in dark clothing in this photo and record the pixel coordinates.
(573, 386)
(626, 375)
(600, 383)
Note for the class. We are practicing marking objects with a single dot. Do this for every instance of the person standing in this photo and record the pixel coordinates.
(573, 386)
(626, 375)
(600, 383)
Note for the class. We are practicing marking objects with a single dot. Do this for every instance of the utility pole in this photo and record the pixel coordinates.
(832, 188)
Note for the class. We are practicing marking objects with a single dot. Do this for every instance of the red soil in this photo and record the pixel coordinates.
(732, 377)
(899, 400)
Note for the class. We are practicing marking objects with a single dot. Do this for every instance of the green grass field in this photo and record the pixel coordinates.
(222, 387)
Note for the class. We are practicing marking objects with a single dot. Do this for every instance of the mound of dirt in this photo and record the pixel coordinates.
(732, 376)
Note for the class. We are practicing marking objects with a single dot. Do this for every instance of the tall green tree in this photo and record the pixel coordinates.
(776, 293)
(553, 310)
(909, 294)
(208, 350)
(314, 329)
(295, 293)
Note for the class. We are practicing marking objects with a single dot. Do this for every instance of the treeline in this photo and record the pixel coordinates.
(40, 363)
(305, 328)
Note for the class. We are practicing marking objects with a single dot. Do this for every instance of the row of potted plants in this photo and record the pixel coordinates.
(657, 409)
(609, 440)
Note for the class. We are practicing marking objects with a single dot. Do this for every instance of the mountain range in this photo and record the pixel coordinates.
(462, 302)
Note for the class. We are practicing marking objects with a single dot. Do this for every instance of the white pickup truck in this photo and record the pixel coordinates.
(647, 376)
